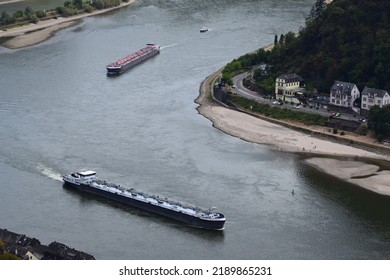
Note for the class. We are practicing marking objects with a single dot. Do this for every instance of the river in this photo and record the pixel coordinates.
(59, 112)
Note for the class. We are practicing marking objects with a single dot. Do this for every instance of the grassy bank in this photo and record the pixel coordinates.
(276, 112)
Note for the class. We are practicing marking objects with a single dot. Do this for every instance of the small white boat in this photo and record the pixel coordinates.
(204, 29)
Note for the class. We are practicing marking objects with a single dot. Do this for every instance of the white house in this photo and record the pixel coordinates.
(372, 96)
(343, 94)
(288, 87)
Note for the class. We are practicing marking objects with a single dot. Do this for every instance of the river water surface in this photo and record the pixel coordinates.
(59, 112)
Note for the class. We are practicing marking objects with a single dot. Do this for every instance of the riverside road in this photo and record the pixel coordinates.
(241, 90)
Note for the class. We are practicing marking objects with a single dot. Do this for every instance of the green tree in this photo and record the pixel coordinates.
(98, 4)
(19, 14)
(79, 4)
(40, 14)
(88, 8)
(28, 11)
(33, 18)
(66, 12)
(67, 4)
(379, 121)
(289, 38)
(316, 10)
(5, 18)
(281, 39)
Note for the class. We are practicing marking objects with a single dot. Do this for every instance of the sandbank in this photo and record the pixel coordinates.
(33, 34)
(256, 130)
(36, 37)
(282, 138)
(359, 173)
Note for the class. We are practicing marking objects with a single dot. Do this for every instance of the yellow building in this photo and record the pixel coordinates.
(288, 87)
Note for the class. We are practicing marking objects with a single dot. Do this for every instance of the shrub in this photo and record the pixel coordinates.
(40, 14)
(33, 18)
(88, 8)
(380, 137)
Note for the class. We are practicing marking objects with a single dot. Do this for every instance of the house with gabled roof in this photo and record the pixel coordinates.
(288, 87)
(343, 94)
(373, 96)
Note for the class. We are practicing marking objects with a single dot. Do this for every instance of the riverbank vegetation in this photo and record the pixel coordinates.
(70, 8)
(277, 112)
(379, 122)
(243, 63)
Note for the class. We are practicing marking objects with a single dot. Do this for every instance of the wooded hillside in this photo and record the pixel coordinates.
(347, 40)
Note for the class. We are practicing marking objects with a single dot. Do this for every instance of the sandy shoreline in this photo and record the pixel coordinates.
(256, 130)
(33, 34)
(10, 1)
(362, 174)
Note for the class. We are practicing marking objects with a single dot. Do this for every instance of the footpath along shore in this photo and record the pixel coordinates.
(35, 33)
(322, 154)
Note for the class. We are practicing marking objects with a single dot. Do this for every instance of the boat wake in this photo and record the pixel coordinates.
(48, 172)
(168, 46)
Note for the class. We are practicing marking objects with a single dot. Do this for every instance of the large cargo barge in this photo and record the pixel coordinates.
(132, 59)
(87, 181)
